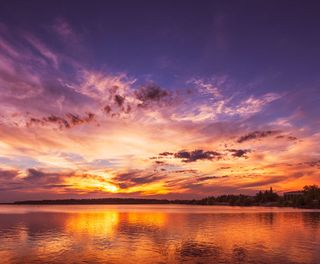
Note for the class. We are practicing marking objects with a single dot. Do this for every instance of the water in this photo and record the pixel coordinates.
(158, 234)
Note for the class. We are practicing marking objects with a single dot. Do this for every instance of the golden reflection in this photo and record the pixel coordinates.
(101, 223)
(148, 219)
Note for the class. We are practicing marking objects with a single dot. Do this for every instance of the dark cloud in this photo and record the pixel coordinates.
(35, 180)
(290, 138)
(107, 109)
(205, 178)
(224, 168)
(119, 106)
(35, 176)
(68, 121)
(9, 180)
(119, 99)
(165, 154)
(134, 178)
(8, 174)
(312, 163)
(199, 154)
(146, 179)
(77, 120)
(185, 171)
(239, 153)
(257, 135)
(11, 186)
(191, 156)
(63, 123)
(128, 109)
(150, 93)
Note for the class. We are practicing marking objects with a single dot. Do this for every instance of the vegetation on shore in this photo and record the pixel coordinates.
(309, 197)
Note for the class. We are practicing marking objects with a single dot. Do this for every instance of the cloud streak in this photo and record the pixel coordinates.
(256, 135)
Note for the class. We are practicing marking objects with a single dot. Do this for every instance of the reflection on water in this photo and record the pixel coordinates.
(158, 234)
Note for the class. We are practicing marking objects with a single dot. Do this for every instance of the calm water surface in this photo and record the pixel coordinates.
(158, 234)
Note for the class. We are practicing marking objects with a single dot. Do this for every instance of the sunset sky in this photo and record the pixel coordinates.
(166, 99)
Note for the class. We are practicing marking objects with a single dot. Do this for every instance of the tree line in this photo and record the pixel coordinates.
(309, 197)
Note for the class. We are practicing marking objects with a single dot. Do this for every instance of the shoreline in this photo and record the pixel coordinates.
(186, 204)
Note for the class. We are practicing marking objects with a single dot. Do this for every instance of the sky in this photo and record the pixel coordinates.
(158, 99)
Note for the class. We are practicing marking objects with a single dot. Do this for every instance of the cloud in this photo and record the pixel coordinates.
(257, 135)
(34, 180)
(288, 137)
(239, 153)
(119, 99)
(208, 88)
(312, 163)
(253, 104)
(225, 168)
(57, 120)
(165, 154)
(192, 171)
(17, 80)
(101, 86)
(7, 175)
(206, 178)
(69, 121)
(150, 93)
(159, 162)
(44, 51)
(199, 154)
(271, 180)
(37, 176)
(136, 178)
(218, 99)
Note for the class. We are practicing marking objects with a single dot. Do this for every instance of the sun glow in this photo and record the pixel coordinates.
(88, 184)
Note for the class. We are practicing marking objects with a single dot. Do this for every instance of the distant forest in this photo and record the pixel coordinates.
(309, 197)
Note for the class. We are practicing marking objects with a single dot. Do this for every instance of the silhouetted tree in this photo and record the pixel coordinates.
(311, 195)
